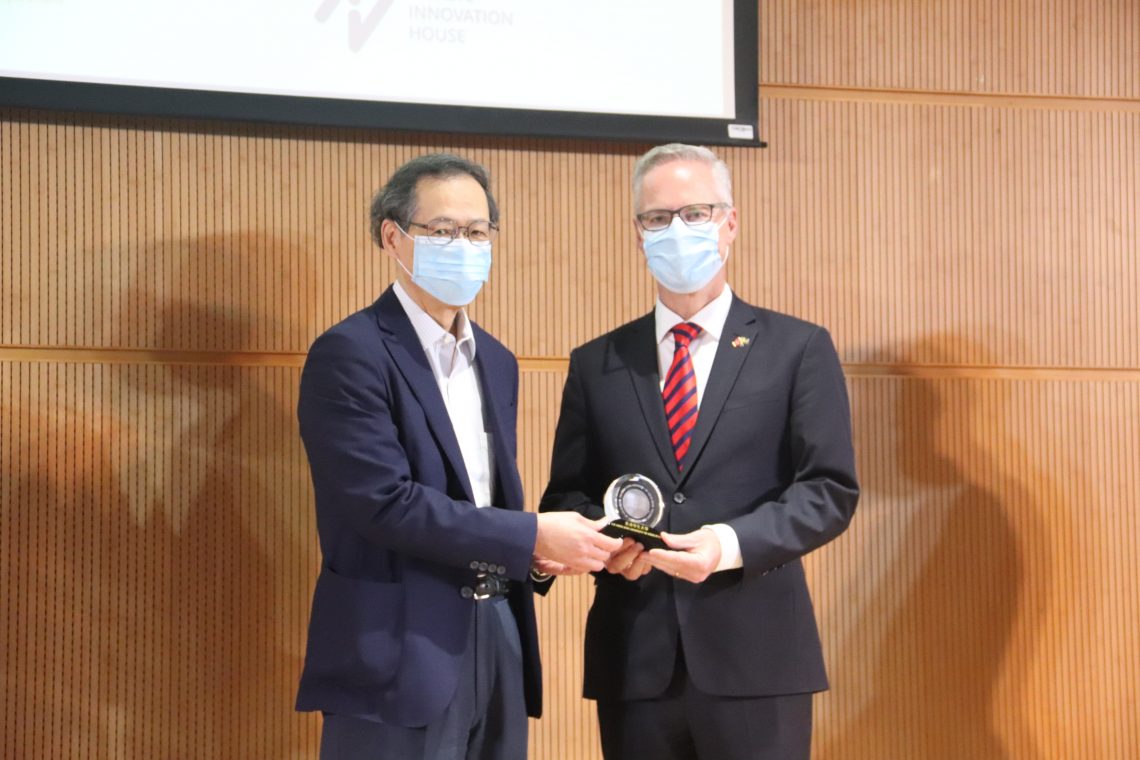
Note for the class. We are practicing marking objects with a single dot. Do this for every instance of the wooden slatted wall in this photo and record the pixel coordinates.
(950, 187)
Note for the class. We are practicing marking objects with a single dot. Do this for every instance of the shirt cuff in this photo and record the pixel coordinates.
(730, 558)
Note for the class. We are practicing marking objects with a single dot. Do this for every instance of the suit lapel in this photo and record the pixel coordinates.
(408, 354)
(729, 359)
(638, 353)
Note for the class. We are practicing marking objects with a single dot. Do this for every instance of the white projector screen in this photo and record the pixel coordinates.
(647, 70)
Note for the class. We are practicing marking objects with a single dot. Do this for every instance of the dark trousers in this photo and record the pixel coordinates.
(486, 719)
(686, 724)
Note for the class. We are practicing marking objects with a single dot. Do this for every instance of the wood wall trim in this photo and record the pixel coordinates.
(546, 364)
(991, 372)
(82, 355)
(948, 98)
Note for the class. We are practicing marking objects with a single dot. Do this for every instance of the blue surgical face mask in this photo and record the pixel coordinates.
(453, 272)
(684, 258)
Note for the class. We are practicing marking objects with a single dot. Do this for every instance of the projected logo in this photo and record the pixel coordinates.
(360, 25)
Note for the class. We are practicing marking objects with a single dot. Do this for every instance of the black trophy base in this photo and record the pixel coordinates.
(647, 537)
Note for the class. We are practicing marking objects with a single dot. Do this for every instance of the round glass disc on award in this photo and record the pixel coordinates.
(634, 505)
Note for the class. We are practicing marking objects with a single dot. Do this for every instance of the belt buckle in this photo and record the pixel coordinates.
(488, 586)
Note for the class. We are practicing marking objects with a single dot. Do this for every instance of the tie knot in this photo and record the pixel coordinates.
(685, 332)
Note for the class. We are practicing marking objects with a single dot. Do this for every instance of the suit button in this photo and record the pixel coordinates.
(474, 564)
(678, 498)
(467, 592)
(482, 567)
(502, 570)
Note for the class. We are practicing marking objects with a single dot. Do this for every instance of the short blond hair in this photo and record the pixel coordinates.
(663, 154)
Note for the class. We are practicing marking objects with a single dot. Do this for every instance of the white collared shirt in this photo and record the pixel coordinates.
(453, 365)
(702, 351)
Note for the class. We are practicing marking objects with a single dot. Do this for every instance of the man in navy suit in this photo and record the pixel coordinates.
(707, 649)
(422, 640)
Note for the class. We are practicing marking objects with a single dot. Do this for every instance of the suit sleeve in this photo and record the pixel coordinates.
(361, 471)
(572, 468)
(819, 503)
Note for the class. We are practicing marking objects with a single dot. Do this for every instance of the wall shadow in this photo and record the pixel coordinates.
(952, 551)
(167, 519)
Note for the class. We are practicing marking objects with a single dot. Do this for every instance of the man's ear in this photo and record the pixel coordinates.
(388, 233)
(731, 226)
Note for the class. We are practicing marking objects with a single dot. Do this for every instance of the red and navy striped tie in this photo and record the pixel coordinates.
(680, 391)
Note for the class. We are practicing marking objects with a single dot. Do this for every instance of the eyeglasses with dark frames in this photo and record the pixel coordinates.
(443, 231)
(692, 215)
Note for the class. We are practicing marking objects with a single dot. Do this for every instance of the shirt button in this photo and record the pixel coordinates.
(678, 498)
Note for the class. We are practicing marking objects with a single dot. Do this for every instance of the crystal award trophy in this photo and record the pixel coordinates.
(634, 505)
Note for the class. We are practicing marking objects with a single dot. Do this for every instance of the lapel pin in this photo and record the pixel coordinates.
(739, 341)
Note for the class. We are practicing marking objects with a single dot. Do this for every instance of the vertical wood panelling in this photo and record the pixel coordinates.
(157, 547)
(155, 541)
(984, 603)
(568, 728)
(1085, 48)
(1015, 229)
(188, 492)
(881, 221)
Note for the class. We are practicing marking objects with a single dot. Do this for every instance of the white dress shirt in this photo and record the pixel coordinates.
(453, 365)
(702, 351)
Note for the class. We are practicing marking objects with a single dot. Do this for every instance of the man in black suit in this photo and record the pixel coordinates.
(707, 649)
(422, 641)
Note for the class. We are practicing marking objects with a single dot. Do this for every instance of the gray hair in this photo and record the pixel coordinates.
(663, 154)
(397, 199)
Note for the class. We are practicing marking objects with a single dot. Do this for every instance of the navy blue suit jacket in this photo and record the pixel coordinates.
(397, 527)
(771, 456)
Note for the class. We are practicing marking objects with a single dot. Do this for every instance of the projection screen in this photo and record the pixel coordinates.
(618, 69)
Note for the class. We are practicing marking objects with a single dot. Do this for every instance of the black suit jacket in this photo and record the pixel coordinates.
(397, 524)
(771, 456)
